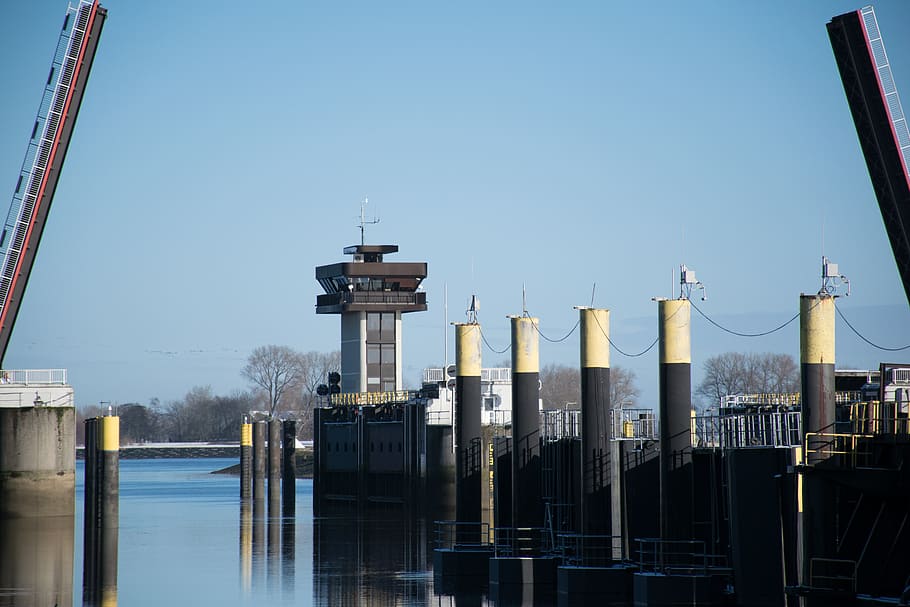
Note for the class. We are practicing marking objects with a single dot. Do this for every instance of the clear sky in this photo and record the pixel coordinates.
(223, 149)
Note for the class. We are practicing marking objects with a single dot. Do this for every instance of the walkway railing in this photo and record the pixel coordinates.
(577, 550)
(633, 424)
(34, 377)
(521, 541)
(677, 556)
(560, 423)
(823, 445)
(780, 429)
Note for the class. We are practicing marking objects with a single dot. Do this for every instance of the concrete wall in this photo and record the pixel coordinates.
(37, 461)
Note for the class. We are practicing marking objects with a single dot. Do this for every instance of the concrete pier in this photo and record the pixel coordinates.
(37, 461)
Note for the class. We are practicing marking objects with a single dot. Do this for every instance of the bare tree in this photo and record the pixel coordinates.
(623, 390)
(736, 373)
(315, 369)
(561, 385)
(275, 369)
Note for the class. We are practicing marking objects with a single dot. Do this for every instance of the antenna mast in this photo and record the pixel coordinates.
(363, 219)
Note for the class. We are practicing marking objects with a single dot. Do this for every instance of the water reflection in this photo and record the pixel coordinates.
(36, 561)
(267, 551)
(377, 558)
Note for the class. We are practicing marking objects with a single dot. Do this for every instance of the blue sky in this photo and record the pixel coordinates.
(223, 149)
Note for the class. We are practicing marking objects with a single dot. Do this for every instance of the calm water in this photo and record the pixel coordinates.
(184, 540)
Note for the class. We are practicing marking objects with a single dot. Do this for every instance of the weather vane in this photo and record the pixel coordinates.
(363, 220)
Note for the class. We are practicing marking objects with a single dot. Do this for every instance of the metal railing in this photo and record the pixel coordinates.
(496, 374)
(493, 374)
(889, 90)
(521, 541)
(560, 423)
(34, 377)
(578, 550)
(780, 429)
(454, 535)
(633, 424)
(11, 398)
(401, 298)
(790, 399)
(434, 375)
(677, 556)
(874, 417)
(820, 446)
(832, 574)
(372, 398)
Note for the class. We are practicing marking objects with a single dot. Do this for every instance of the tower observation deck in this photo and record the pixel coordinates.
(371, 294)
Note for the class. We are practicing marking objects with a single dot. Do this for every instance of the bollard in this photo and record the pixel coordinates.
(110, 508)
(274, 452)
(246, 455)
(289, 468)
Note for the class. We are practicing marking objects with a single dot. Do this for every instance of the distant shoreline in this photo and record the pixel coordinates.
(203, 451)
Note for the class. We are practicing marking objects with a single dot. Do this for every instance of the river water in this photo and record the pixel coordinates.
(184, 540)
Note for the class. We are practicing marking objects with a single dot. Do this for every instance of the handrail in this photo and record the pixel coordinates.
(669, 556)
(586, 550)
(823, 445)
(781, 429)
(458, 535)
(33, 377)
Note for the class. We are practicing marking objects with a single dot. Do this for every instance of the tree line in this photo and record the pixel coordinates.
(282, 380)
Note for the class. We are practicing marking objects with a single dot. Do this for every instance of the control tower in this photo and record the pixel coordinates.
(371, 295)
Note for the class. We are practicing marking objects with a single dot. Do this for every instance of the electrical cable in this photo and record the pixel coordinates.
(737, 333)
(494, 350)
(554, 341)
(858, 334)
(618, 349)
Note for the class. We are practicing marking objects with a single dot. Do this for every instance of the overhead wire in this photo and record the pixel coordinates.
(492, 349)
(862, 337)
(553, 341)
(738, 333)
(618, 349)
